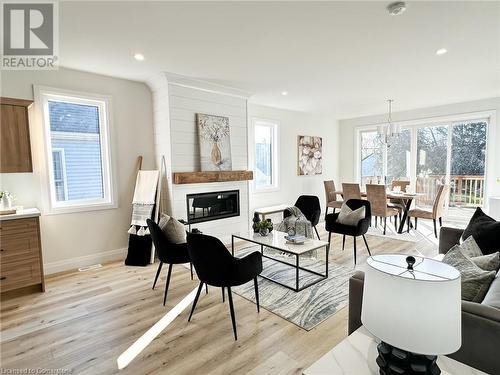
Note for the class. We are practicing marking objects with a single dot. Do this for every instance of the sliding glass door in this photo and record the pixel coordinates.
(468, 159)
(372, 158)
(399, 157)
(432, 150)
(451, 153)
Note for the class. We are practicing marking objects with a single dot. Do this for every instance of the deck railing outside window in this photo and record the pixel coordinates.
(465, 191)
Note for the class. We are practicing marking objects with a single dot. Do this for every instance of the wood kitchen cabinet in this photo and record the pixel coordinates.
(21, 264)
(15, 136)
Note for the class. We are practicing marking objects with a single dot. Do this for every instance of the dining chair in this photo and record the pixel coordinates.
(436, 213)
(350, 191)
(377, 196)
(332, 226)
(403, 184)
(331, 197)
(215, 266)
(168, 252)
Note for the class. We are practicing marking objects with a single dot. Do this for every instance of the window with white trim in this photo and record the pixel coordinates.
(266, 154)
(60, 183)
(78, 152)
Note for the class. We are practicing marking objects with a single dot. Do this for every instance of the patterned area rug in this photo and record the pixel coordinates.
(309, 307)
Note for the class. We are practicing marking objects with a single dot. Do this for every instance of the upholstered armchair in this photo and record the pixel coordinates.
(167, 252)
(332, 226)
(311, 208)
(215, 266)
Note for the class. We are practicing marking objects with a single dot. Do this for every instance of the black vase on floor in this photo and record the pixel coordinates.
(256, 220)
(392, 361)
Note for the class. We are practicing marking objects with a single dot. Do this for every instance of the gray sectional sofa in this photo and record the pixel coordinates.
(480, 321)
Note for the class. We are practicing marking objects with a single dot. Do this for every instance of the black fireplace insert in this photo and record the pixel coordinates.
(212, 206)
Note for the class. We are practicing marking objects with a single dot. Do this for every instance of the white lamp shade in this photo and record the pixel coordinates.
(418, 311)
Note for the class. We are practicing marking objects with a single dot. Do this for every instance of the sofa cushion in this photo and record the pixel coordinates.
(174, 230)
(492, 297)
(470, 248)
(475, 281)
(350, 217)
(488, 262)
(485, 230)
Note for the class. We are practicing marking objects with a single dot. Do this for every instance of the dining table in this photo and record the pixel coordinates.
(404, 197)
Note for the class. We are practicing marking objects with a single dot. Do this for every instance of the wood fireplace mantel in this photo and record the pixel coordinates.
(206, 177)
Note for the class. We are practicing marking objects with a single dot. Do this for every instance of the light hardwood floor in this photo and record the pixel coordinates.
(85, 320)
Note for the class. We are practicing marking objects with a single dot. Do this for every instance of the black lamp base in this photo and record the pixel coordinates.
(394, 361)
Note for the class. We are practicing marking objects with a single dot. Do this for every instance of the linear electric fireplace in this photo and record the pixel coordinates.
(212, 206)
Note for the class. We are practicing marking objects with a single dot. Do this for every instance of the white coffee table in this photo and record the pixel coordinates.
(276, 240)
(357, 354)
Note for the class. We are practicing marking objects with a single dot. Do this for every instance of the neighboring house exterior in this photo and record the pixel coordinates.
(76, 151)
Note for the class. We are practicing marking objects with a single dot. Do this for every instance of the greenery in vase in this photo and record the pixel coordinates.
(264, 225)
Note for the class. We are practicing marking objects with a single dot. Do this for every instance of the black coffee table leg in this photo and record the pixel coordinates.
(297, 274)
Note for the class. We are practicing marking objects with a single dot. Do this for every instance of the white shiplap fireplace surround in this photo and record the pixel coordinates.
(176, 101)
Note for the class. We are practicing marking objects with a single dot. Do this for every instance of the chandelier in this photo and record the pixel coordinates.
(388, 130)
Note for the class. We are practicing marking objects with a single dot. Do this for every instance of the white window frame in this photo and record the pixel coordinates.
(63, 170)
(42, 97)
(413, 125)
(274, 125)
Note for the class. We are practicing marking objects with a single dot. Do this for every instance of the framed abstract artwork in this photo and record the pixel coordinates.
(310, 155)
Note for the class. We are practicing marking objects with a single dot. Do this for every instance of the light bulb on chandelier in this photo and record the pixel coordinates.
(390, 129)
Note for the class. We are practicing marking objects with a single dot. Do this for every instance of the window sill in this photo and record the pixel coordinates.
(266, 190)
(77, 209)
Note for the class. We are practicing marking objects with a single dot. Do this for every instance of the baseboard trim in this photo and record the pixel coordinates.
(74, 263)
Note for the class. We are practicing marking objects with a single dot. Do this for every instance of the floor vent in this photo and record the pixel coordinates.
(89, 268)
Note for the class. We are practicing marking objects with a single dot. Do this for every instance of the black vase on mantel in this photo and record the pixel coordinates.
(255, 220)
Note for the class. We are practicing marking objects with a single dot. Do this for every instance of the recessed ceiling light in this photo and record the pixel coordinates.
(441, 51)
(397, 8)
(284, 93)
(139, 57)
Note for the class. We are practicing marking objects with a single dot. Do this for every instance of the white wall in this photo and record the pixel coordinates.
(291, 125)
(177, 100)
(77, 239)
(348, 131)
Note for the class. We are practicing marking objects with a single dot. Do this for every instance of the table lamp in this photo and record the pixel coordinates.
(413, 305)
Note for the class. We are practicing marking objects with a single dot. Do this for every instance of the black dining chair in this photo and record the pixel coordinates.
(332, 226)
(168, 252)
(215, 266)
(311, 208)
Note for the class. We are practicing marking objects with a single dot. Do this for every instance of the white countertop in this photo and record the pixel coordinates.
(356, 354)
(21, 213)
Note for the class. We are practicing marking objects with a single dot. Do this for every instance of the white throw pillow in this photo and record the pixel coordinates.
(350, 217)
(174, 230)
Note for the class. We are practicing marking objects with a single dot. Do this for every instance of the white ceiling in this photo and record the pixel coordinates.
(343, 58)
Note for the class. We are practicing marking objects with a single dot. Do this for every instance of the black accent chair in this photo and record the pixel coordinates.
(167, 253)
(311, 208)
(332, 226)
(215, 266)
